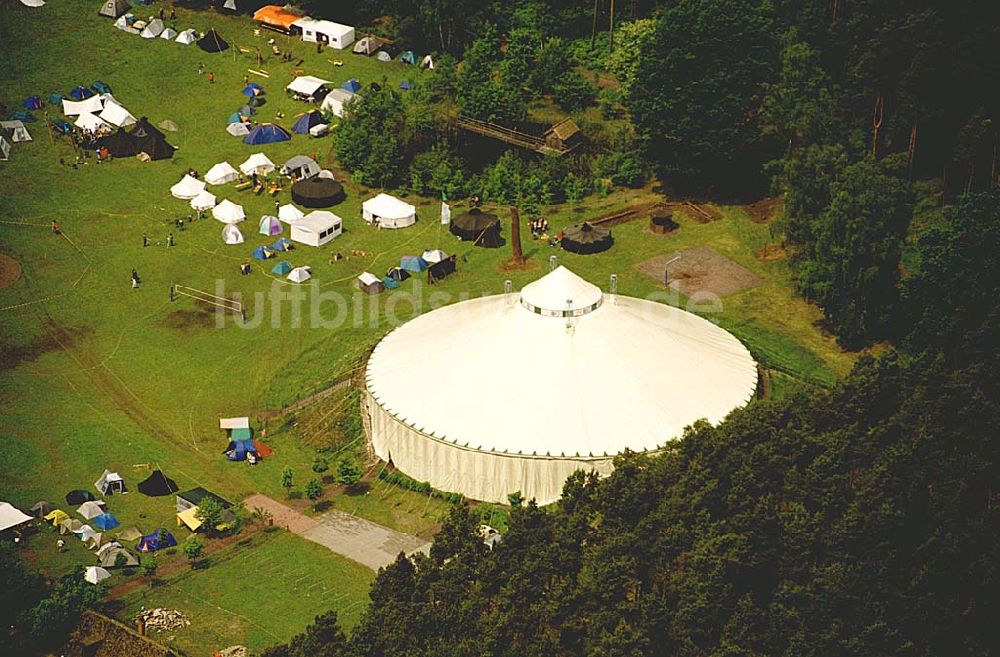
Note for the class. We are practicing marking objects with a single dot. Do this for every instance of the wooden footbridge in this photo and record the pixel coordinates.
(555, 142)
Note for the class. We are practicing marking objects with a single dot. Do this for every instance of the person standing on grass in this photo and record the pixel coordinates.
(55, 228)
(211, 77)
(276, 206)
(170, 239)
(145, 240)
(60, 544)
(173, 14)
(161, 13)
(135, 279)
(201, 69)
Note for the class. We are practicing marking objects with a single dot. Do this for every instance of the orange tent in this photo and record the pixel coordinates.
(263, 451)
(276, 17)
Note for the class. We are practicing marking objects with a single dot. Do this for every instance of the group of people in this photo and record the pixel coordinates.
(538, 227)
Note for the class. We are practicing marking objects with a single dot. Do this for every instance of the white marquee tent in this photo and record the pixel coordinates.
(335, 34)
(618, 373)
(228, 212)
(187, 188)
(231, 234)
(387, 211)
(221, 173)
(205, 200)
(259, 163)
(11, 516)
(317, 228)
(307, 85)
(90, 105)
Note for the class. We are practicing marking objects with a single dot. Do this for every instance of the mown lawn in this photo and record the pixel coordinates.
(94, 374)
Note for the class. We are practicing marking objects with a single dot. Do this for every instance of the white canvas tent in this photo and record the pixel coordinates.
(110, 483)
(335, 101)
(383, 56)
(90, 105)
(169, 33)
(231, 234)
(152, 29)
(289, 214)
(95, 574)
(228, 212)
(259, 163)
(11, 516)
(238, 129)
(299, 275)
(90, 122)
(187, 37)
(307, 85)
(302, 166)
(33, 3)
(16, 130)
(205, 200)
(92, 509)
(221, 173)
(386, 211)
(673, 369)
(317, 228)
(187, 188)
(335, 35)
(94, 541)
(366, 46)
(427, 62)
(4, 148)
(116, 115)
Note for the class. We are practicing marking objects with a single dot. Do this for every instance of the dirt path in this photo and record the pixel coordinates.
(357, 539)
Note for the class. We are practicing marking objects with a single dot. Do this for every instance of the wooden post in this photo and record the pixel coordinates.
(593, 27)
(515, 235)
(611, 29)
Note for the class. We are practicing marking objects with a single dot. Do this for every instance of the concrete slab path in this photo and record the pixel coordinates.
(358, 539)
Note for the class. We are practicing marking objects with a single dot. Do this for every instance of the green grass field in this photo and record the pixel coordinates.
(94, 374)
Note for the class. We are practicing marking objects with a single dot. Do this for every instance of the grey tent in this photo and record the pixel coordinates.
(587, 239)
(107, 555)
(110, 483)
(113, 8)
(130, 533)
(41, 509)
(302, 166)
(168, 125)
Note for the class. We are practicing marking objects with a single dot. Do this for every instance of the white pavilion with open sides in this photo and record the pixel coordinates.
(515, 392)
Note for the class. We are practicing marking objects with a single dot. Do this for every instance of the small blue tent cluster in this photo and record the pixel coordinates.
(306, 121)
(105, 521)
(80, 93)
(237, 450)
(262, 253)
(33, 103)
(253, 89)
(352, 85)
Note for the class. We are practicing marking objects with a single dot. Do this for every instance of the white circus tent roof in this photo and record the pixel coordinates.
(611, 372)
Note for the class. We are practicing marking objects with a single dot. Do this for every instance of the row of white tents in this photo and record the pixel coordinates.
(157, 29)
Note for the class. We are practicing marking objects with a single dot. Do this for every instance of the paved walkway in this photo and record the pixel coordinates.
(363, 541)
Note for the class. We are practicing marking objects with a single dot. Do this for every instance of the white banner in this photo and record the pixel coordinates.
(445, 213)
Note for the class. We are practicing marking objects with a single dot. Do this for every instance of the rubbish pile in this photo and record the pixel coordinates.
(163, 619)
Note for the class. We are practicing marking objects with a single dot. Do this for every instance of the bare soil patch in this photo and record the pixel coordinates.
(185, 318)
(10, 271)
(702, 269)
(771, 252)
(764, 210)
(12, 355)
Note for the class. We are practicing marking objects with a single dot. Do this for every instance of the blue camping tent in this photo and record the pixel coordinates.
(151, 542)
(352, 85)
(390, 283)
(414, 264)
(282, 268)
(281, 244)
(253, 89)
(397, 274)
(62, 126)
(306, 121)
(105, 521)
(404, 85)
(80, 93)
(100, 87)
(263, 253)
(33, 103)
(266, 133)
(237, 450)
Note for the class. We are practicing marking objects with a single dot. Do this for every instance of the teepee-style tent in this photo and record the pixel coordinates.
(113, 8)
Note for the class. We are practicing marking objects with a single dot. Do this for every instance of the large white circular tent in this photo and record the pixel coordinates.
(514, 392)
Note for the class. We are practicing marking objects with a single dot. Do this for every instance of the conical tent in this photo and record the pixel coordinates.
(212, 42)
(587, 239)
(157, 484)
(478, 227)
(270, 225)
(307, 120)
(143, 128)
(257, 163)
(120, 144)
(113, 8)
(231, 234)
(187, 188)
(266, 133)
(156, 148)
